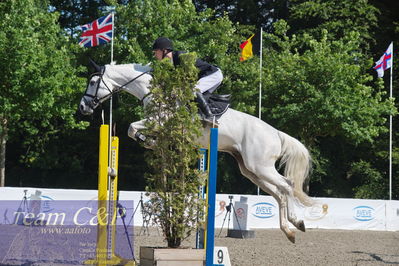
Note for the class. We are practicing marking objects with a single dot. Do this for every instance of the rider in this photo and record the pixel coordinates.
(209, 77)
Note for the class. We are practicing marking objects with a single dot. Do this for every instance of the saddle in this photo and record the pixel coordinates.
(217, 103)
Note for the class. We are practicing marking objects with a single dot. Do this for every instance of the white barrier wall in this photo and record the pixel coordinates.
(327, 213)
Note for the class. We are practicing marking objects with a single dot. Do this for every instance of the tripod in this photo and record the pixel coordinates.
(23, 208)
(122, 214)
(145, 214)
(140, 203)
(228, 212)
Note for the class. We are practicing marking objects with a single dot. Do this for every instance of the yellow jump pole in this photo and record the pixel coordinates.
(107, 201)
(113, 258)
(113, 196)
(101, 251)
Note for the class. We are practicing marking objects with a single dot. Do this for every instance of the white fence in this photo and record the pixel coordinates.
(262, 211)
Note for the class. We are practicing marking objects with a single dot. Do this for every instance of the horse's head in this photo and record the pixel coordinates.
(97, 91)
(109, 79)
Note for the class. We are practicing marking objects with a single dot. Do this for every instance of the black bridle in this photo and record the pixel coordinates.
(95, 100)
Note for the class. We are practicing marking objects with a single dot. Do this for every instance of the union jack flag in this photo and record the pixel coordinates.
(98, 32)
(385, 62)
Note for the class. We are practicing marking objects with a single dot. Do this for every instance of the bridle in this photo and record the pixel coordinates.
(95, 100)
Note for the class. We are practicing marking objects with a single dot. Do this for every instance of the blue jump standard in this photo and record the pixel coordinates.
(210, 232)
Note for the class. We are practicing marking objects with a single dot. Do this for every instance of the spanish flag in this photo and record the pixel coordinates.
(246, 48)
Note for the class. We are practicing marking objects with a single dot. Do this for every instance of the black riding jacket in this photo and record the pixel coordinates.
(205, 69)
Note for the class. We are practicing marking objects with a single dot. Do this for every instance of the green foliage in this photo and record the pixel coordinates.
(74, 13)
(211, 38)
(37, 76)
(319, 90)
(173, 183)
(215, 40)
(248, 12)
(317, 83)
(338, 17)
(372, 184)
(323, 90)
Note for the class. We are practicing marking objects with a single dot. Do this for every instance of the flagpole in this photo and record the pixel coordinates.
(390, 130)
(260, 81)
(110, 100)
(260, 77)
(112, 39)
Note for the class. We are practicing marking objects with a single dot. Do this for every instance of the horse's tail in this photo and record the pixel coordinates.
(298, 163)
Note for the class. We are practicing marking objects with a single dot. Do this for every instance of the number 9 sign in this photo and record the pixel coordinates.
(221, 256)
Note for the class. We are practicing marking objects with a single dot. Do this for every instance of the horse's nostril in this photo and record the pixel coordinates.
(82, 108)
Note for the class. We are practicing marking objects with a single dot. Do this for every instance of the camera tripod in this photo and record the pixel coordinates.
(229, 208)
(122, 214)
(146, 215)
(23, 208)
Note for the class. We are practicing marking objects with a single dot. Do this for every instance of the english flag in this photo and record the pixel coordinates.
(98, 32)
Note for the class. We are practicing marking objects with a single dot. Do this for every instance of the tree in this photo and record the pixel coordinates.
(374, 22)
(338, 17)
(74, 13)
(174, 184)
(323, 93)
(248, 12)
(37, 78)
(215, 39)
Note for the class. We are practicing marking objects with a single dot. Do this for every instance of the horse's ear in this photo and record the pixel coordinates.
(94, 64)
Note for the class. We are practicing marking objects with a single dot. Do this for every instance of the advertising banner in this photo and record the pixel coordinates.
(262, 211)
(392, 215)
(354, 214)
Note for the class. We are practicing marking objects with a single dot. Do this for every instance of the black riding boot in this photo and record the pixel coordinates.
(203, 105)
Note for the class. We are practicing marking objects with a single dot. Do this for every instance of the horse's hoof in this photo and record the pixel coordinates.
(301, 226)
(291, 237)
(149, 144)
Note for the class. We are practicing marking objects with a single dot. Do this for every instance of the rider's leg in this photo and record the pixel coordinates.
(210, 83)
(203, 105)
(207, 84)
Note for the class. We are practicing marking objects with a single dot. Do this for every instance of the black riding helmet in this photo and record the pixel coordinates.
(162, 43)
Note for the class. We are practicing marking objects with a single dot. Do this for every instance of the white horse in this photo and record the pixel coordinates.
(254, 144)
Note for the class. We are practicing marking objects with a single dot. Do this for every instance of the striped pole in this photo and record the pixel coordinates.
(199, 240)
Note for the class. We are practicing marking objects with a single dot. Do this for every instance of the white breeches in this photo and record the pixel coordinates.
(210, 83)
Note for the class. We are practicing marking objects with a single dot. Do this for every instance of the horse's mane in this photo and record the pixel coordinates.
(142, 68)
(134, 66)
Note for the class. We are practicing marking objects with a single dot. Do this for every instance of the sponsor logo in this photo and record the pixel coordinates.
(240, 213)
(316, 212)
(46, 204)
(40, 203)
(263, 210)
(222, 207)
(363, 213)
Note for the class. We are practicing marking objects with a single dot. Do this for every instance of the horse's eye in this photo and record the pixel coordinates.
(92, 83)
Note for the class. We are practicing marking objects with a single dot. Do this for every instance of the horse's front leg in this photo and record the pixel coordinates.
(135, 128)
(134, 133)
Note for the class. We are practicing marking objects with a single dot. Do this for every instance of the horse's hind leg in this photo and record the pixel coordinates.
(285, 188)
(299, 224)
(274, 191)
